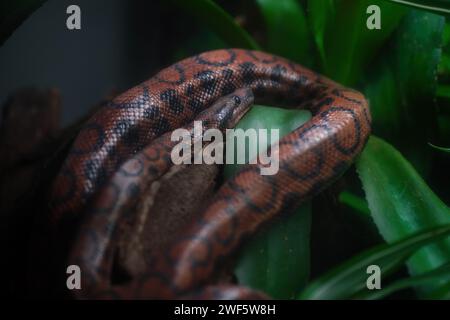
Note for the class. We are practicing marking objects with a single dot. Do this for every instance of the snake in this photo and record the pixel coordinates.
(123, 151)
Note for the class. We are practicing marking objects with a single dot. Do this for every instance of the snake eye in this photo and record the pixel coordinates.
(237, 100)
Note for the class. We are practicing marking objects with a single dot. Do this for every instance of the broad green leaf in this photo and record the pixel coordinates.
(277, 259)
(401, 203)
(287, 30)
(219, 21)
(436, 6)
(320, 17)
(350, 277)
(13, 13)
(401, 86)
(349, 44)
(439, 274)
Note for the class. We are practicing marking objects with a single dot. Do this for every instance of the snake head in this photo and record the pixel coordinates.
(228, 110)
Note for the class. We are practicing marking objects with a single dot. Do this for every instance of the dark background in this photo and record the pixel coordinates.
(118, 46)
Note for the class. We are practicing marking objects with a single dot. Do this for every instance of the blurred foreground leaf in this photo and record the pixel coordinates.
(350, 278)
(219, 21)
(288, 33)
(401, 203)
(439, 274)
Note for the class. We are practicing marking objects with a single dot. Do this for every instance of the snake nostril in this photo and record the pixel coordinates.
(237, 100)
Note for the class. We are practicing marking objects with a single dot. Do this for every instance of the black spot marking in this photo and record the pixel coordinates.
(162, 126)
(131, 137)
(189, 91)
(228, 88)
(295, 90)
(276, 73)
(248, 73)
(207, 81)
(151, 113)
(170, 96)
(227, 74)
(195, 105)
(95, 173)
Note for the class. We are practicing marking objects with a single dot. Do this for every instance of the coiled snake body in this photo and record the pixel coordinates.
(126, 146)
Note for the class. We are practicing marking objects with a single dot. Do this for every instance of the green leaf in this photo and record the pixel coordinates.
(277, 259)
(401, 87)
(443, 91)
(219, 21)
(350, 277)
(288, 33)
(401, 203)
(355, 202)
(444, 127)
(436, 6)
(444, 64)
(440, 148)
(439, 274)
(13, 13)
(320, 16)
(441, 293)
(349, 44)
